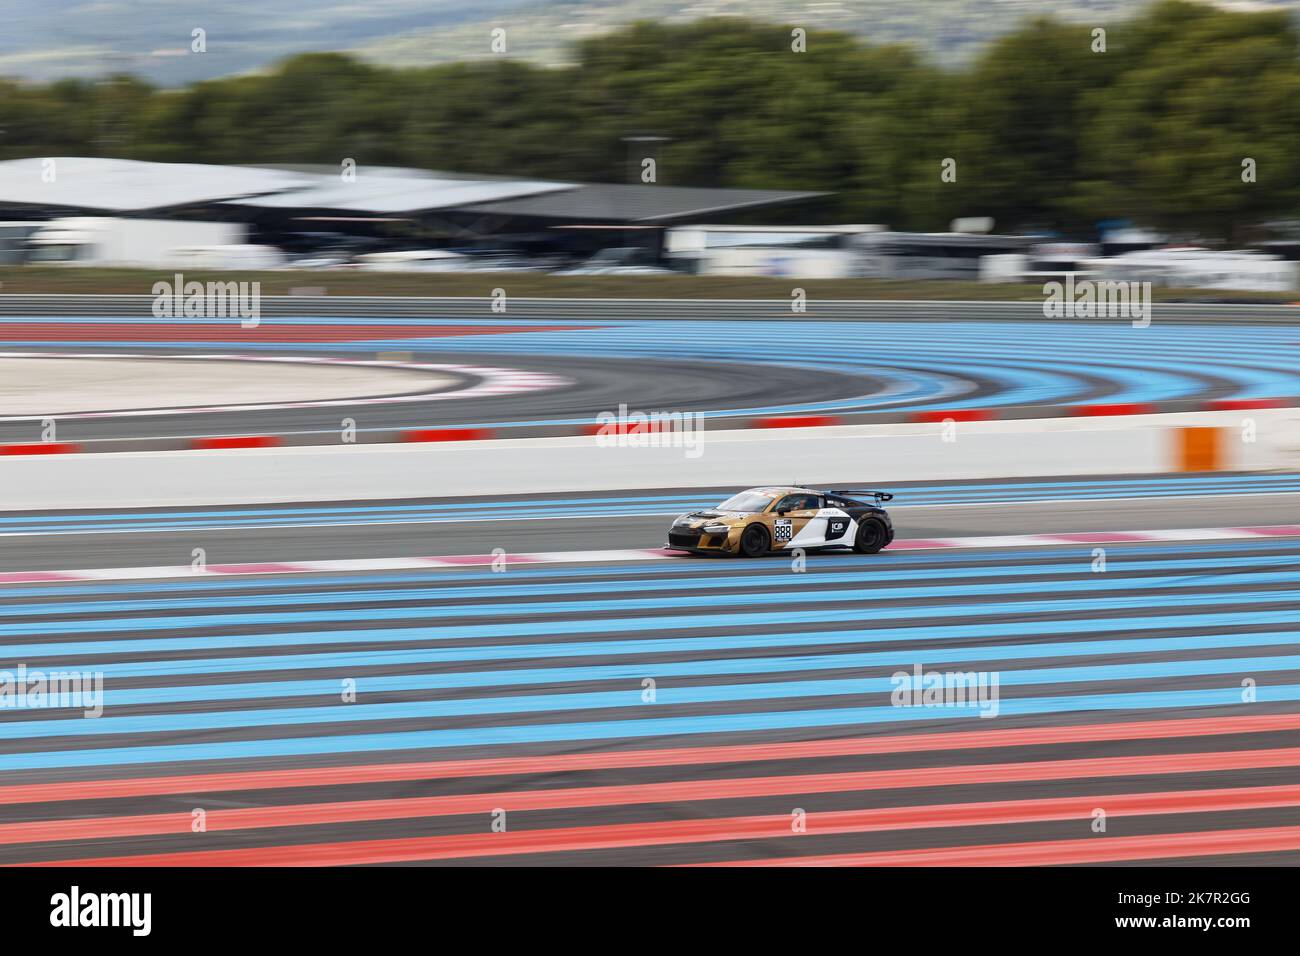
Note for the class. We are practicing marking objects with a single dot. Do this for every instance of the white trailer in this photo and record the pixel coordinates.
(228, 257)
(416, 260)
(1197, 268)
(804, 252)
(780, 263)
(140, 243)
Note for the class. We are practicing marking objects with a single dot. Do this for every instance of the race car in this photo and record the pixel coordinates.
(764, 520)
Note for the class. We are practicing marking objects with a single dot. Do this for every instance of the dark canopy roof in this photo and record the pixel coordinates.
(602, 202)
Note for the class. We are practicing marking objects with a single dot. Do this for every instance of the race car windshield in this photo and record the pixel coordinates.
(746, 501)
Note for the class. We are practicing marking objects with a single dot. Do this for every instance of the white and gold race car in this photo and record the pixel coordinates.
(764, 520)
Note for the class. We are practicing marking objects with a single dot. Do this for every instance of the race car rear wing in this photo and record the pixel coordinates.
(878, 495)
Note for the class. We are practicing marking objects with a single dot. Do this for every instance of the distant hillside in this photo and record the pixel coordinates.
(949, 30)
(151, 38)
(51, 39)
(544, 30)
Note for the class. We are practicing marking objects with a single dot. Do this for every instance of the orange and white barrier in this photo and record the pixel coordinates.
(452, 463)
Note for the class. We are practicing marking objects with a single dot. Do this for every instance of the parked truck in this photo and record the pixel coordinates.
(118, 242)
(13, 241)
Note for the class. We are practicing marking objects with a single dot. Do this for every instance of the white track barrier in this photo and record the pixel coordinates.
(860, 455)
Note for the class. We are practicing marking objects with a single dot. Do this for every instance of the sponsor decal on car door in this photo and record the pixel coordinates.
(839, 526)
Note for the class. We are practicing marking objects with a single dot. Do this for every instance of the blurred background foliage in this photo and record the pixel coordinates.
(1047, 134)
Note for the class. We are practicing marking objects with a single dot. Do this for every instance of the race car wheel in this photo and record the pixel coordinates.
(872, 536)
(754, 541)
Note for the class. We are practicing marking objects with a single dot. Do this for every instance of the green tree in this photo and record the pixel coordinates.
(1201, 91)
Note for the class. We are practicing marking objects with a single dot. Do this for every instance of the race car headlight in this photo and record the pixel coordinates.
(716, 529)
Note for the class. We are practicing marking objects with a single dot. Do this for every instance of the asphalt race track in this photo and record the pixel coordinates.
(591, 385)
(674, 711)
(713, 367)
(618, 519)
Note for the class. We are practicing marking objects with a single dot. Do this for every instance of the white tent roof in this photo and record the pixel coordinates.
(122, 185)
(125, 185)
(114, 186)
